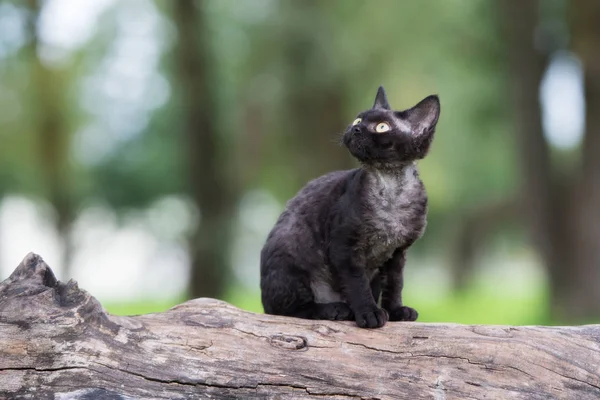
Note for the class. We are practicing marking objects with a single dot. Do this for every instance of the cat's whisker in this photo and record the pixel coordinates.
(338, 139)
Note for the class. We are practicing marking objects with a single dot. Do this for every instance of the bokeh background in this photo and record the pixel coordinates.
(147, 147)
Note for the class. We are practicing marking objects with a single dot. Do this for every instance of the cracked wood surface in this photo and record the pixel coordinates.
(57, 342)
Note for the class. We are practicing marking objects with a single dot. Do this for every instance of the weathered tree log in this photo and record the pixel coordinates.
(57, 342)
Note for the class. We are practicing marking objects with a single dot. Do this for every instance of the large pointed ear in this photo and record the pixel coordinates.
(424, 116)
(381, 99)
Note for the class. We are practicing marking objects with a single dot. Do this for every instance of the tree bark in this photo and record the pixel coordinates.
(211, 185)
(59, 343)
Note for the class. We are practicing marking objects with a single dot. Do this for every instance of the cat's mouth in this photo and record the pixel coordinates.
(355, 147)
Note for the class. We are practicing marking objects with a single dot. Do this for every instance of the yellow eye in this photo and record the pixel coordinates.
(356, 121)
(382, 127)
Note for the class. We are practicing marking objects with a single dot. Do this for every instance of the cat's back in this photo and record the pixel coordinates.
(304, 214)
(321, 191)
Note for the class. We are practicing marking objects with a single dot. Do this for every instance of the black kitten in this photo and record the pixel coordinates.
(342, 241)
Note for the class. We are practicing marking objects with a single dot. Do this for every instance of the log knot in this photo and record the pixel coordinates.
(289, 342)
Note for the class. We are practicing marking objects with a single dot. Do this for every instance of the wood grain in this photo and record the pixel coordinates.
(57, 342)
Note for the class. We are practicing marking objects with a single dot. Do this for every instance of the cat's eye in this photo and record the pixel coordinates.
(356, 121)
(382, 127)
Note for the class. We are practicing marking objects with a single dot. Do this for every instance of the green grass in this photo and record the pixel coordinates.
(475, 306)
(142, 306)
(479, 307)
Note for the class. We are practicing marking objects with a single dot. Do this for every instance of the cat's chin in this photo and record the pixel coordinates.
(377, 163)
(386, 164)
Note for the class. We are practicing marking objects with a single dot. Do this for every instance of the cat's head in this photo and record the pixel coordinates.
(385, 138)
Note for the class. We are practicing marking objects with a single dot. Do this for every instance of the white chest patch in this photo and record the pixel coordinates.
(324, 293)
(395, 212)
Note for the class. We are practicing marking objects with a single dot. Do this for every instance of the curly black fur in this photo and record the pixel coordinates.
(341, 243)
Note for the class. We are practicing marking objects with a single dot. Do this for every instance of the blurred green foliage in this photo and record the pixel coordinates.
(289, 76)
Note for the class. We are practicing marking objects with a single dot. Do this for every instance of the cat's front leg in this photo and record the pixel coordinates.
(357, 290)
(391, 299)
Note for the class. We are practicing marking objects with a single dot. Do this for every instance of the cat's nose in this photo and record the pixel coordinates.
(355, 129)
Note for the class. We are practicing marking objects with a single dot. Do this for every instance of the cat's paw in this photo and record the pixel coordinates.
(337, 311)
(372, 317)
(403, 313)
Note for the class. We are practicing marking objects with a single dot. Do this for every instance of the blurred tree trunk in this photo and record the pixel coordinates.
(49, 90)
(539, 195)
(210, 185)
(562, 214)
(315, 96)
(474, 228)
(583, 290)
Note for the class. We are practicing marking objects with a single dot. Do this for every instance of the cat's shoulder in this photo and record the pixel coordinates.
(331, 180)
